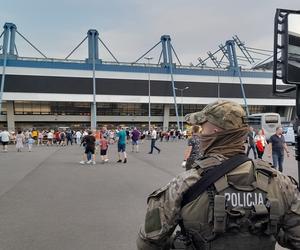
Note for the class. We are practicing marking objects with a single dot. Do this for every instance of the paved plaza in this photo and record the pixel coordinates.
(48, 201)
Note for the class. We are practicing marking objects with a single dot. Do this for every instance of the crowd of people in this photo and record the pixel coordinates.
(102, 138)
(275, 147)
(223, 196)
(93, 141)
(122, 136)
(256, 141)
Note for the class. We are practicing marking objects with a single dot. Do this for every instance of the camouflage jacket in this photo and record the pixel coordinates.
(164, 205)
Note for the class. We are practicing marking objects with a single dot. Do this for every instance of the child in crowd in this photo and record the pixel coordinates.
(30, 142)
(103, 149)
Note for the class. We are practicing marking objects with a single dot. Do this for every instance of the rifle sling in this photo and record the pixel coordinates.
(211, 176)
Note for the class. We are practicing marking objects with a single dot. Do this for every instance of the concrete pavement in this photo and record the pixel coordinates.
(48, 201)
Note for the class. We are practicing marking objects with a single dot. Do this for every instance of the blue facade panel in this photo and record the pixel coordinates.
(82, 65)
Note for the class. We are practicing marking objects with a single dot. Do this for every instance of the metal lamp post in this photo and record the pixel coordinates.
(181, 90)
(149, 93)
(94, 123)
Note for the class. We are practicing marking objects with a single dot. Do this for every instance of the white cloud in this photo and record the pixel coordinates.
(131, 27)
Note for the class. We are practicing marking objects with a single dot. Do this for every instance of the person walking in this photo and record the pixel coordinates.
(98, 135)
(121, 134)
(56, 137)
(20, 138)
(40, 137)
(135, 136)
(34, 134)
(251, 142)
(161, 135)
(111, 135)
(193, 150)
(83, 143)
(226, 201)
(153, 134)
(89, 141)
(143, 136)
(50, 138)
(277, 146)
(69, 137)
(103, 148)
(78, 137)
(5, 137)
(62, 138)
(30, 143)
(260, 142)
(27, 134)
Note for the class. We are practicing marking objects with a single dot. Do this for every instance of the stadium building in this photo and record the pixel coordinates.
(43, 92)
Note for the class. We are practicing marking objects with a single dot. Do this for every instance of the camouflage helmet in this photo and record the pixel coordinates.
(223, 114)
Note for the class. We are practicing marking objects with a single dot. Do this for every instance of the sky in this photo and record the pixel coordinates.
(131, 27)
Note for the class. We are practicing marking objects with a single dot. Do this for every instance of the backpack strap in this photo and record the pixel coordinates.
(211, 176)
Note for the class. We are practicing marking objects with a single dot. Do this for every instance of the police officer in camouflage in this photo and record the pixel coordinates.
(251, 206)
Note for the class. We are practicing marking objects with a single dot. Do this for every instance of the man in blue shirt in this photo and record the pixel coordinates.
(277, 146)
(122, 144)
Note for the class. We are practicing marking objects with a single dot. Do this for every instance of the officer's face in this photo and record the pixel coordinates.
(209, 128)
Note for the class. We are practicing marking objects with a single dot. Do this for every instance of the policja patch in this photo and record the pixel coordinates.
(236, 198)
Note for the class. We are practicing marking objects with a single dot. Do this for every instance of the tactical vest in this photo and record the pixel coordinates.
(239, 217)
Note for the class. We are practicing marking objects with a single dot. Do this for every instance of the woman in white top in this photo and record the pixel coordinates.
(5, 137)
(260, 142)
(50, 138)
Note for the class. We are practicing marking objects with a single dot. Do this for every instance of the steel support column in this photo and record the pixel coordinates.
(230, 44)
(93, 55)
(12, 41)
(5, 46)
(170, 64)
(164, 49)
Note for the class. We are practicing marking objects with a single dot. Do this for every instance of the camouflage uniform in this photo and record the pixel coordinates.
(262, 205)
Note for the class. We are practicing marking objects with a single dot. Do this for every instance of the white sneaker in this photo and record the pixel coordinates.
(89, 162)
(106, 160)
(82, 162)
(93, 162)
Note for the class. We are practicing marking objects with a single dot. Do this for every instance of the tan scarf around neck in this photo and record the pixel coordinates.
(227, 142)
